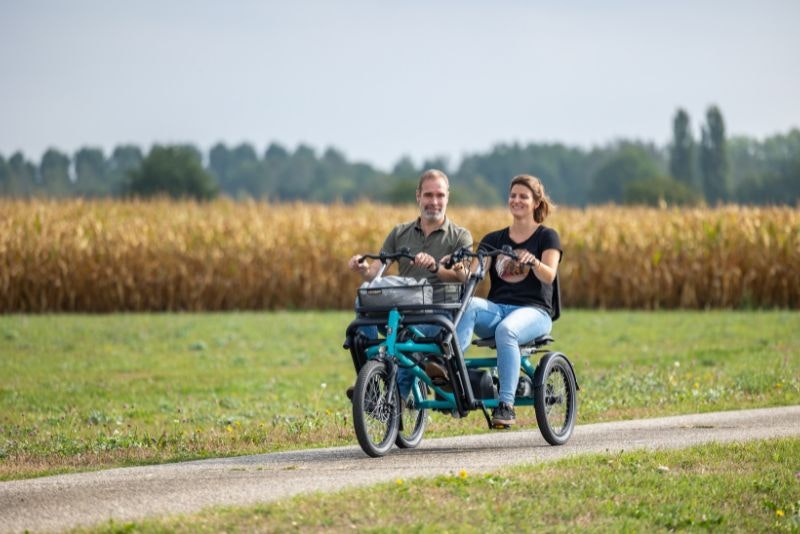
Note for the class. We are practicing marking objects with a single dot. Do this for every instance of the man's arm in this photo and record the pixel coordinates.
(367, 270)
(457, 273)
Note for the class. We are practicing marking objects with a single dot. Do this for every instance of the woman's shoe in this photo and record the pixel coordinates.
(503, 416)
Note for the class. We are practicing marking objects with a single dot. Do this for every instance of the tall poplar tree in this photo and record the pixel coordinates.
(714, 157)
(682, 151)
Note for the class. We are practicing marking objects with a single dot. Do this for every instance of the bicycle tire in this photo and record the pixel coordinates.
(555, 398)
(376, 421)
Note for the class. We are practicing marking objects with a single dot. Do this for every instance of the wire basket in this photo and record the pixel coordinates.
(419, 298)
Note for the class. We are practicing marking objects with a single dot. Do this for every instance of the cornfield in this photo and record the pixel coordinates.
(104, 256)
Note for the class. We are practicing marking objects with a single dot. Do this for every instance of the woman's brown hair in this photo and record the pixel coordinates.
(545, 206)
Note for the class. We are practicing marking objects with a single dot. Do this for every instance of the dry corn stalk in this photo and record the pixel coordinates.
(102, 256)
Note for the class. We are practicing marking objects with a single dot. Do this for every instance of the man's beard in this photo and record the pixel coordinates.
(433, 215)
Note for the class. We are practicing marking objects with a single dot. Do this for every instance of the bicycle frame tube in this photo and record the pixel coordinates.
(446, 346)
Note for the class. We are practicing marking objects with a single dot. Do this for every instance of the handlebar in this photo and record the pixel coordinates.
(465, 253)
(457, 256)
(385, 257)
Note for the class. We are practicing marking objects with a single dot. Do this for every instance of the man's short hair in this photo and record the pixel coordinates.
(432, 174)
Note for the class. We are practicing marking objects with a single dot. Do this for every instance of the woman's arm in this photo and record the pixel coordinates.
(547, 268)
(544, 269)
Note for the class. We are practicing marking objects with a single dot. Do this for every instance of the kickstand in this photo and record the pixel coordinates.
(486, 415)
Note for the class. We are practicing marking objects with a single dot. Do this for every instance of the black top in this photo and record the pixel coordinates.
(520, 287)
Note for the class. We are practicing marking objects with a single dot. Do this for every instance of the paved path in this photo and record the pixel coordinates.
(59, 502)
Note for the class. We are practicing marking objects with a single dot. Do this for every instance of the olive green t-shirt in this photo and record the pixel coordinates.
(445, 240)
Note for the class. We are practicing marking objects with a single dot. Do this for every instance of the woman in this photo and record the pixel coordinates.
(520, 299)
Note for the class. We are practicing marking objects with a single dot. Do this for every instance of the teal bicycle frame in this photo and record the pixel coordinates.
(399, 351)
(549, 385)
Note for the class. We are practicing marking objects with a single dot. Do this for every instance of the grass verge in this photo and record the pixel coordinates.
(750, 487)
(85, 392)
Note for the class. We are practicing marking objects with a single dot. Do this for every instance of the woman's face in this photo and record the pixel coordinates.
(521, 202)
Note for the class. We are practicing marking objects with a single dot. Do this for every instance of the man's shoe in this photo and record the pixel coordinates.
(438, 374)
(349, 392)
(503, 416)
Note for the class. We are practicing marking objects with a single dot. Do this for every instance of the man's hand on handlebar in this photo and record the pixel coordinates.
(426, 261)
(358, 264)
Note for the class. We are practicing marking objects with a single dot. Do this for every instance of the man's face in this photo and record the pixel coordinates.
(432, 200)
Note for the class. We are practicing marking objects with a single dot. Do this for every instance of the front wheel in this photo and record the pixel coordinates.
(554, 395)
(375, 409)
(414, 420)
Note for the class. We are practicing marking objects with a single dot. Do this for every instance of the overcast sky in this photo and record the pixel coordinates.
(380, 79)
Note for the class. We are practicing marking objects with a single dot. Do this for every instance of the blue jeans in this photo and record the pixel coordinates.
(510, 325)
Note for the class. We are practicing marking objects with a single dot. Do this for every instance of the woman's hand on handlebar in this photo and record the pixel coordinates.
(523, 257)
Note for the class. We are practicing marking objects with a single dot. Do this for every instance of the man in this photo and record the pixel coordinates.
(430, 237)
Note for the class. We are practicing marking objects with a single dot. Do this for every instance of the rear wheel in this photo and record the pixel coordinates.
(414, 420)
(555, 398)
(375, 409)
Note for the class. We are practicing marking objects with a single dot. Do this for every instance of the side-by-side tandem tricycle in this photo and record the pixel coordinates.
(404, 314)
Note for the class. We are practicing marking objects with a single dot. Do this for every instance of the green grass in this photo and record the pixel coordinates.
(752, 487)
(83, 392)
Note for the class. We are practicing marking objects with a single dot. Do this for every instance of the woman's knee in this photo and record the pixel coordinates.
(506, 333)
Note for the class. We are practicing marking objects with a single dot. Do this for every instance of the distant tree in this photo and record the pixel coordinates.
(299, 176)
(370, 183)
(123, 160)
(249, 180)
(714, 157)
(54, 169)
(404, 168)
(5, 175)
(219, 163)
(90, 173)
(659, 191)
(246, 175)
(478, 192)
(243, 152)
(682, 150)
(335, 178)
(276, 163)
(439, 162)
(334, 158)
(630, 164)
(401, 191)
(400, 186)
(176, 171)
(276, 154)
(22, 179)
(755, 165)
(780, 186)
(566, 172)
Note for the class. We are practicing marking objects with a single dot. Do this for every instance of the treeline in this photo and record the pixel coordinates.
(709, 168)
